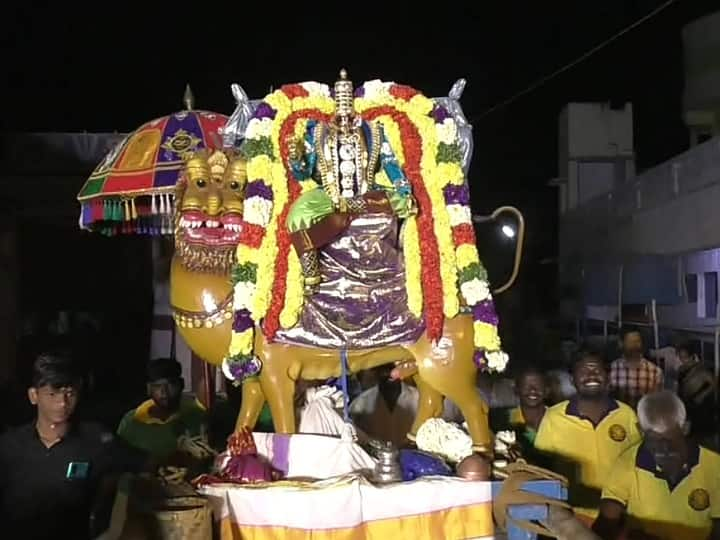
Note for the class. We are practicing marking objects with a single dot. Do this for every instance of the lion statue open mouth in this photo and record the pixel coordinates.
(208, 212)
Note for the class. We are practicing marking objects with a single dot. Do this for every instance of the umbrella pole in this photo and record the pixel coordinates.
(208, 384)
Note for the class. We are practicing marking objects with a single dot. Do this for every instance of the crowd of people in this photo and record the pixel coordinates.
(622, 439)
(624, 443)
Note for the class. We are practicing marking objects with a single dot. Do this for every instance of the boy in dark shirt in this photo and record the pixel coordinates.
(52, 470)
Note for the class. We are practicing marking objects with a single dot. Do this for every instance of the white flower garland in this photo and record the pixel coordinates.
(257, 210)
(459, 214)
(475, 291)
(444, 439)
(447, 131)
(497, 361)
(314, 88)
(259, 127)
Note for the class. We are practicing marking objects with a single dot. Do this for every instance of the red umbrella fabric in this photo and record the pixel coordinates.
(131, 190)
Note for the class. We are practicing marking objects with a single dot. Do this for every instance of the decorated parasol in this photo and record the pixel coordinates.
(131, 190)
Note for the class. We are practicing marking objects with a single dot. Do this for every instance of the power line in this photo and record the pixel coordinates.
(575, 62)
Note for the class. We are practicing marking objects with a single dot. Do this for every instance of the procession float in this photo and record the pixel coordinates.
(325, 283)
(318, 232)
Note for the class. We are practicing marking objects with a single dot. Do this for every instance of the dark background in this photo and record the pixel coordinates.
(104, 67)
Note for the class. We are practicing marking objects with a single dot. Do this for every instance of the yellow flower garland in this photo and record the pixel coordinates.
(413, 263)
(436, 176)
(275, 175)
(418, 110)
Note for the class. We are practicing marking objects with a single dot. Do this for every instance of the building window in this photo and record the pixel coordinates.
(691, 287)
(594, 179)
(711, 294)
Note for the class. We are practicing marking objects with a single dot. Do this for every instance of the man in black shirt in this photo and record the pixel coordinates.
(52, 470)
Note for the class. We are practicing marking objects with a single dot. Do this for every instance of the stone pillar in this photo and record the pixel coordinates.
(163, 326)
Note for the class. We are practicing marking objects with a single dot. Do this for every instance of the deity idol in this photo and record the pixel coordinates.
(343, 157)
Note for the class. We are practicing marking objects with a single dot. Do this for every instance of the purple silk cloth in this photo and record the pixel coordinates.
(248, 469)
(281, 452)
(361, 302)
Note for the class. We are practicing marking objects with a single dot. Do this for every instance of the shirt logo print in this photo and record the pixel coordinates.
(617, 433)
(699, 499)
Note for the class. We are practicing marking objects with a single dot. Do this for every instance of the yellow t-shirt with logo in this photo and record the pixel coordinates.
(684, 511)
(583, 452)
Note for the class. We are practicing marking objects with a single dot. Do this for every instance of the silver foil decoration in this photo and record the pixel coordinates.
(234, 130)
(464, 128)
(362, 300)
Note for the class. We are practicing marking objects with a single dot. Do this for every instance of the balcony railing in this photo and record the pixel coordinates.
(686, 173)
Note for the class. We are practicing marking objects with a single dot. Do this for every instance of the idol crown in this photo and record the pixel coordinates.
(343, 85)
(218, 162)
(202, 164)
(343, 95)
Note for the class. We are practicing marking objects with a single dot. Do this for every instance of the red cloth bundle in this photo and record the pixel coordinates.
(244, 466)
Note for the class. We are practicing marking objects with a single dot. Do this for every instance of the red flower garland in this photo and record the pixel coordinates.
(430, 253)
(401, 91)
(293, 91)
(271, 323)
(463, 234)
(252, 235)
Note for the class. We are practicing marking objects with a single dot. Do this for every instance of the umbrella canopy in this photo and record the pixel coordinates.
(131, 190)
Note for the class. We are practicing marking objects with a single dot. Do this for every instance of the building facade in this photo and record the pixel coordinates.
(645, 248)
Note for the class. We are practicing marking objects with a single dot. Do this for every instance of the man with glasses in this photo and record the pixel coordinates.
(156, 424)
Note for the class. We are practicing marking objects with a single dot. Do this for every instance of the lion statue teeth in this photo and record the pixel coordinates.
(208, 222)
(208, 211)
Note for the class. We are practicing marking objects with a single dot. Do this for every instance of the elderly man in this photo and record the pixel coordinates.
(632, 375)
(665, 488)
(585, 435)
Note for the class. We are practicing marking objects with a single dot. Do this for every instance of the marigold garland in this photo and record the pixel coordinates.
(431, 279)
(441, 257)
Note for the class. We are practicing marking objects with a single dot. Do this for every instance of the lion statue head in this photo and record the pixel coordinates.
(208, 210)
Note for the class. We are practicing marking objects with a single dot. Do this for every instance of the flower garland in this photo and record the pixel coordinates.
(268, 279)
(441, 259)
(444, 439)
(449, 211)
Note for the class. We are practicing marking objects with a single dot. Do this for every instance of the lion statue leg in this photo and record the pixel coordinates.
(430, 405)
(447, 368)
(253, 400)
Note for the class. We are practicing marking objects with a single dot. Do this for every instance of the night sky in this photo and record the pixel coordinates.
(107, 67)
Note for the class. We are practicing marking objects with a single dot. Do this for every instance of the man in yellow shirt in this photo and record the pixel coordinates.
(531, 391)
(667, 487)
(584, 436)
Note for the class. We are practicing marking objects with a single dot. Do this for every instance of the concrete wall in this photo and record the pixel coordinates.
(672, 208)
(596, 130)
(701, 97)
(595, 151)
(701, 46)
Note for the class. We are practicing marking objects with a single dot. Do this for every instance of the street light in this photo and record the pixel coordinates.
(510, 232)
